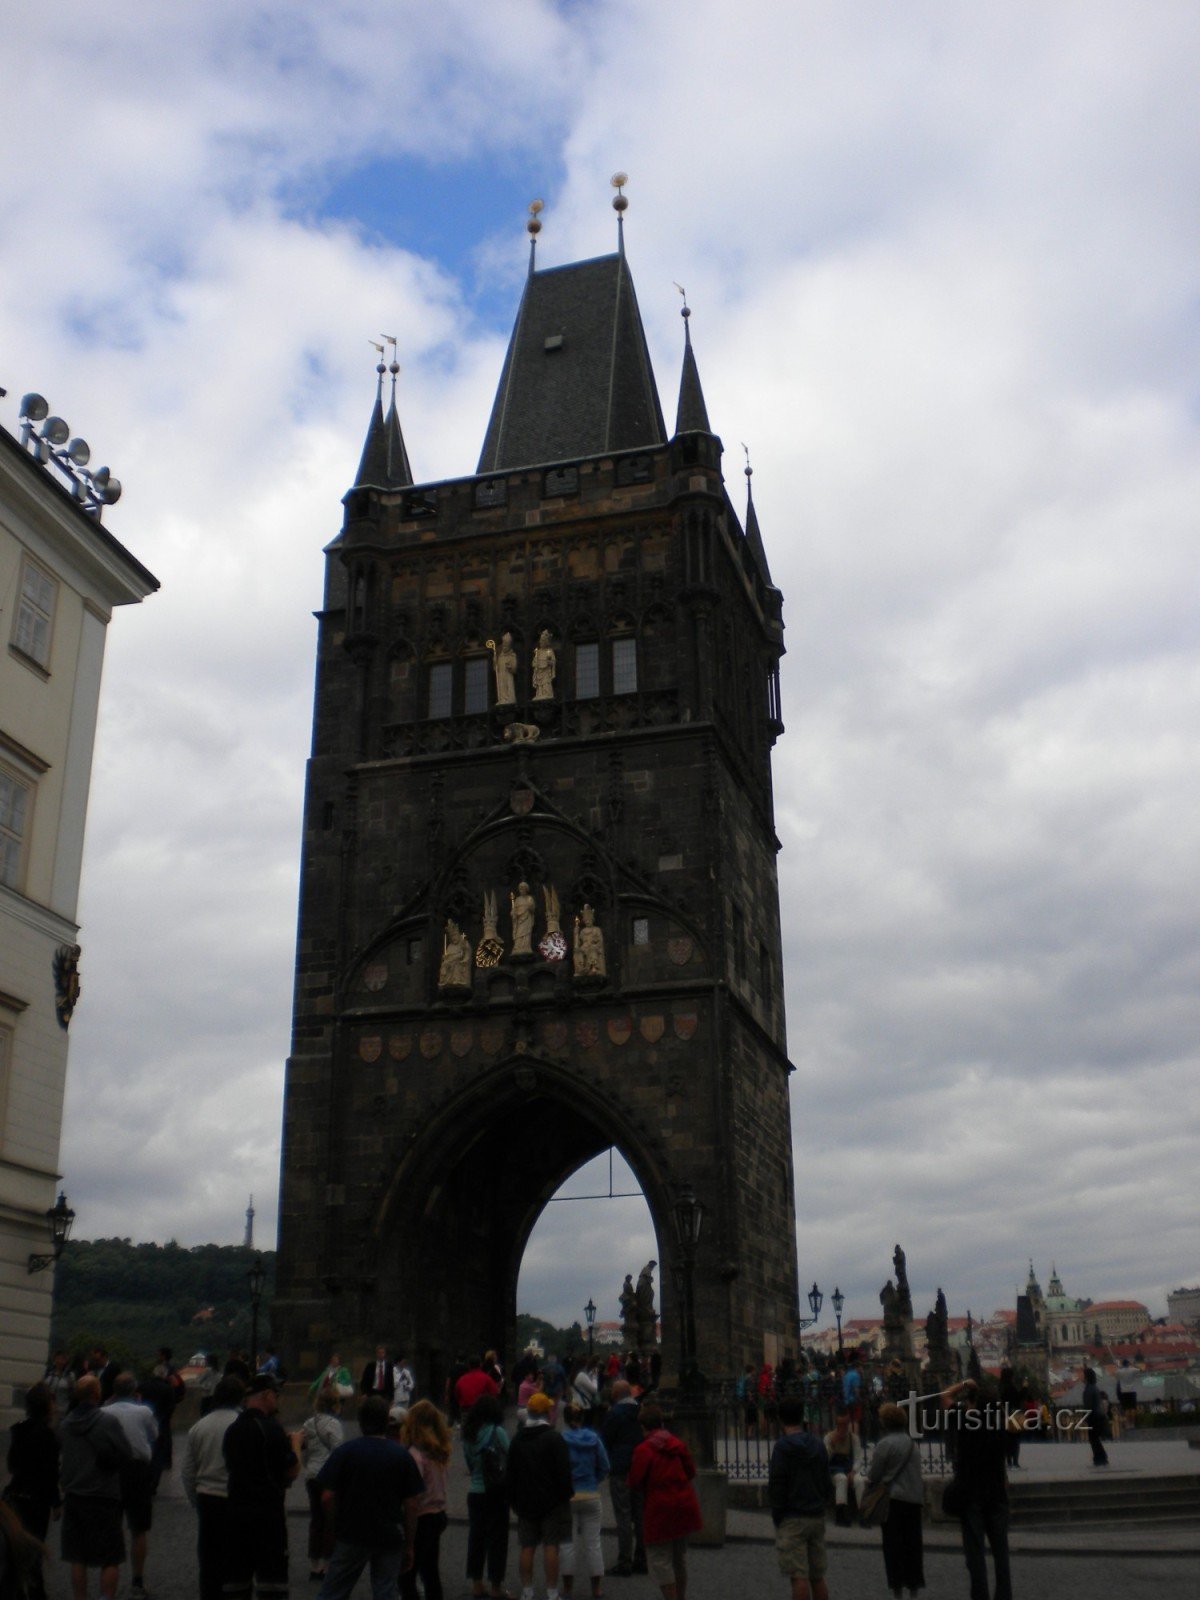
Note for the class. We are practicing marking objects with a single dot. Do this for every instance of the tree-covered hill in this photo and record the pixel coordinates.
(134, 1297)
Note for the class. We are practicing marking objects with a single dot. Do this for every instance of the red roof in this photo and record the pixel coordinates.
(1120, 1305)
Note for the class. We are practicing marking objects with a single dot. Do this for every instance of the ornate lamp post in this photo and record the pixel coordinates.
(256, 1276)
(589, 1312)
(815, 1300)
(839, 1300)
(689, 1219)
(60, 1217)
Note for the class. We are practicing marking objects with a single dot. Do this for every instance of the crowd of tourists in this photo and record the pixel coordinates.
(96, 1440)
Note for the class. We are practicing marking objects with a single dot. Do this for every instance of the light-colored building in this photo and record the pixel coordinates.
(1118, 1319)
(61, 574)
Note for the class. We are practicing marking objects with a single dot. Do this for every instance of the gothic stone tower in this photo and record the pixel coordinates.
(458, 1052)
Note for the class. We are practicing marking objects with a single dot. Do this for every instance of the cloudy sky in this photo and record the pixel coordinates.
(943, 265)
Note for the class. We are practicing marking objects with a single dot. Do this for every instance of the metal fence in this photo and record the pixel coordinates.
(745, 1428)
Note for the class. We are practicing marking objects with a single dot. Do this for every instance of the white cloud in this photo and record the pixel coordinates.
(943, 281)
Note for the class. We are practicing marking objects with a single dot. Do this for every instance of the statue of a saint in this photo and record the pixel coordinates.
(629, 1312)
(522, 906)
(589, 946)
(455, 970)
(490, 947)
(900, 1264)
(647, 1317)
(544, 666)
(504, 667)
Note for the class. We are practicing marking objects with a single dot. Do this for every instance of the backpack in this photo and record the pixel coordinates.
(493, 1468)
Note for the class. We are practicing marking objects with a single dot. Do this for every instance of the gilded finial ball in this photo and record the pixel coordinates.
(620, 204)
(535, 206)
(619, 179)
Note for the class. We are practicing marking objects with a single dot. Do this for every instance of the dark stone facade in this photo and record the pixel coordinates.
(425, 1129)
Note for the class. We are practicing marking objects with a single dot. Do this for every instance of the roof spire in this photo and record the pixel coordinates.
(692, 414)
(384, 462)
(753, 536)
(533, 227)
(620, 205)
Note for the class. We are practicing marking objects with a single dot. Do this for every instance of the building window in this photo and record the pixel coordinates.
(641, 930)
(624, 665)
(14, 826)
(587, 671)
(476, 688)
(440, 684)
(5, 1070)
(35, 614)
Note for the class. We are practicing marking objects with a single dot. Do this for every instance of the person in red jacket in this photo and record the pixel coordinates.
(662, 1469)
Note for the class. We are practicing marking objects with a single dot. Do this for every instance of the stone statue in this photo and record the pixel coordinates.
(629, 1313)
(490, 947)
(455, 970)
(522, 906)
(553, 946)
(647, 1317)
(544, 666)
(589, 946)
(504, 667)
(900, 1266)
(522, 733)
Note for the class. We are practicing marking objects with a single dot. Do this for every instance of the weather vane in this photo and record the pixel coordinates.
(749, 469)
(687, 310)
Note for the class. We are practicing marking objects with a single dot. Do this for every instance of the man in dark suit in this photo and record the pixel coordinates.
(377, 1376)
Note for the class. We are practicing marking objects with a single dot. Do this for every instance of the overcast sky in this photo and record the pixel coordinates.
(943, 266)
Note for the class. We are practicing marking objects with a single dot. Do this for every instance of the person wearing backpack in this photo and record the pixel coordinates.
(485, 1447)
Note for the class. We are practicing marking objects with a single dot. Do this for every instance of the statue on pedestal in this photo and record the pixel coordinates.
(647, 1317)
(900, 1266)
(629, 1313)
(504, 669)
(545, 664)
(589, 946)
(455, 970)
(522, 906)
(940, 1370)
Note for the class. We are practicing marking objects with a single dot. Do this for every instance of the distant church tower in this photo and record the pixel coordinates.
(248, 1241)
(539, 912)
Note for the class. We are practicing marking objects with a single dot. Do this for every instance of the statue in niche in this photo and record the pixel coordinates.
(455, 970)
(589, 946)
(552, 946)
(521, 733)
(545, 664)
(504, 669)
(522, 906)
(647, 1317)
(490, 947)
(629, 1313)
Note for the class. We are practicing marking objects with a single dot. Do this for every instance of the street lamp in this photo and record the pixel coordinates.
(689, 1219)
(589, 1312)
(256, 1276)
(815, 1300)
(60, 1217)
(839, 1300)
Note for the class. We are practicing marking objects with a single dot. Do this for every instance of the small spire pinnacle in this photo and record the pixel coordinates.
(691, 415)
(384, 462)
(533, 227)
(620, 205)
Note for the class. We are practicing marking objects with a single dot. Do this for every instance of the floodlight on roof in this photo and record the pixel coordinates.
(50, 446)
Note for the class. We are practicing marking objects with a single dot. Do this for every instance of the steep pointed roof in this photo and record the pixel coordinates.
(577, 379)
(691, 415)
(384, 463)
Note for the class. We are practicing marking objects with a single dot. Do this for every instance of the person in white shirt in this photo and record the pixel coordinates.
(205, 1479)
(139, 1479)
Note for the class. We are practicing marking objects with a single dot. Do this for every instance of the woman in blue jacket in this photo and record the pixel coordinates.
(589, 1468)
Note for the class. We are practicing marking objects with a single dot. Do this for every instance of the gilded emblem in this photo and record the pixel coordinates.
(400, 1046)
(430, 1043)
(619, 1029)
(586, 1034)
(375, 976)
(651, 1029)
(460, 1040)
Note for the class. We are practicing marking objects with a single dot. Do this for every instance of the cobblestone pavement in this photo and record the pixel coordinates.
(742, 1570)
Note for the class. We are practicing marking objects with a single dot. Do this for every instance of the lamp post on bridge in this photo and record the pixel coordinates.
(589, 1312)
(839, 1300)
